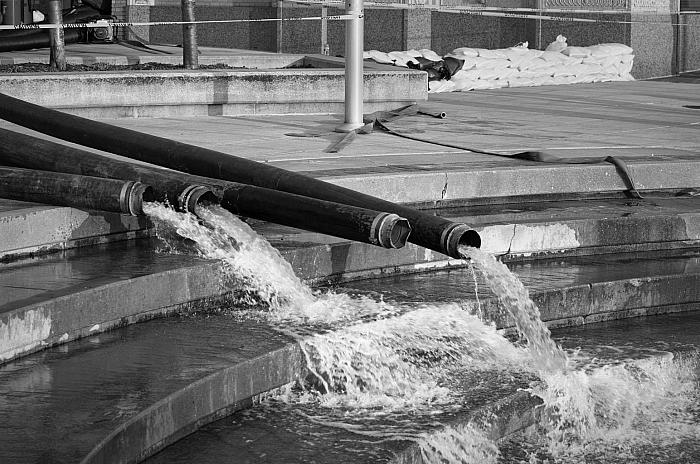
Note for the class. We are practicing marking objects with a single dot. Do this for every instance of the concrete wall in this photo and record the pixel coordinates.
(689, 43)
(652, 36)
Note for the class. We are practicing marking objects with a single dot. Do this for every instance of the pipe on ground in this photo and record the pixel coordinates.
(429, 231)
(188, 191)
(27, 39)
(60, 189)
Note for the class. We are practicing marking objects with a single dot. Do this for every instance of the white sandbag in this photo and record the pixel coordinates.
(441, 86)
(464, 84)
(606, 62)
(380, 57)
(625, 64)
(472, 74)
(520, 52)
(563, 80)
(498, 83)
(429, 54)
(558, 45)
(560, 58)
(554, 57)
(563, 71)
(483, 84)
(499, 73)
(469, 62)
(399, 58)
(604, 77)
(537, 63)
(583, 79)
(491, 63)
(532, 74)
(585, 69)
(492, 54)
(610, 49)
(414, 53)
(626, 77)
(521, 58)
(520, 82)
(543, 80)
(465, 51)
(581, 52)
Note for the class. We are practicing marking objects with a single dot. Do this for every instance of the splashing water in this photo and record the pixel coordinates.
(370, 360)
(516, 300)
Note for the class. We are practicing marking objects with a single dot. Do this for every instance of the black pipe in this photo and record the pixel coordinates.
(187, 191)
(27, 39)
(56, 188)
(428, 231)
(37, 39)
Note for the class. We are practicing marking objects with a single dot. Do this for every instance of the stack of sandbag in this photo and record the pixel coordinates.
(520, 66)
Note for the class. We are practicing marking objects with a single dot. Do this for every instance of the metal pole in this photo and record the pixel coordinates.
(354, 46)
(57, 53)
(190, 54)
(324, 31)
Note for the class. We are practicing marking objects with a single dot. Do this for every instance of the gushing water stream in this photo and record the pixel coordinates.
(392, 371)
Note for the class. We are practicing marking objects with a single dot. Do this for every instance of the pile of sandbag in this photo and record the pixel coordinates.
(520, 66)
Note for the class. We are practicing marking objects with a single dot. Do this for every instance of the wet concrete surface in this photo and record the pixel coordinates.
(33, 280)
(58, 404)
(458, 284)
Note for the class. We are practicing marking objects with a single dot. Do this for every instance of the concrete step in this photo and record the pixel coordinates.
(302, 88)
(51, 299)
(133, 390)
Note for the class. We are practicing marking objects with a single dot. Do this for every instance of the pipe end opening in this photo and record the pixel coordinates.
(390, 230)
(195, 195)
(458, 236)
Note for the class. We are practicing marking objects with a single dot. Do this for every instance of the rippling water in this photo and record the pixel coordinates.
(400, 371)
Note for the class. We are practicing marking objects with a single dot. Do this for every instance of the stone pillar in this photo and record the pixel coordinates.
(138, 11)
(653, 38)
(417, 28)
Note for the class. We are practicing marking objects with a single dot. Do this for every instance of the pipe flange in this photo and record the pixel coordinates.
(458, 235)
(132, 196)
(389, 230)
(193, 195)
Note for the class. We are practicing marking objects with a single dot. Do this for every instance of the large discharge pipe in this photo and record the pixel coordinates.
(429, 231)
(187, 191)
(55, 188)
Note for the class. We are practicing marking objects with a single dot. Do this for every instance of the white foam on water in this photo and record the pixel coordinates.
(377, 368)
(611, 413)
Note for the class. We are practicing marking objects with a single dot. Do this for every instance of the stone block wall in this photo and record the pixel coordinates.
(653, 36)
(689, 42)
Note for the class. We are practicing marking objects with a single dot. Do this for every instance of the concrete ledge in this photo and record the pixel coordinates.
(31, 229)
(32, 328)
(27, 329)
(461, 185)
(213, 397)
(237, 92)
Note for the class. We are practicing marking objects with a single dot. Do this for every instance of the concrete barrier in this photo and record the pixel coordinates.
(212, 93)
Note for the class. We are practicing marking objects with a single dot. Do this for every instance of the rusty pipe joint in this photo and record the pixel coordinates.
(389, 230)
(456, 236)
(132, 196)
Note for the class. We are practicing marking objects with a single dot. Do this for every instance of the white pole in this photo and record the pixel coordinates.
(354, 46)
